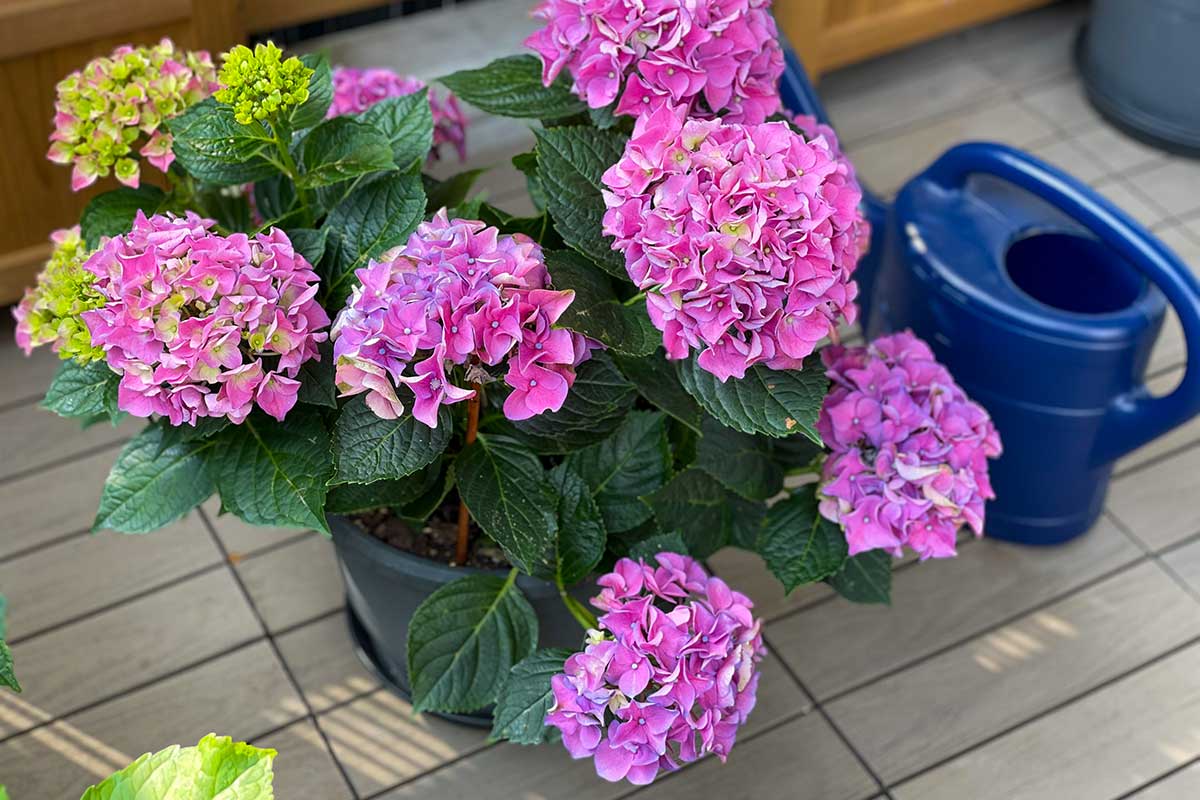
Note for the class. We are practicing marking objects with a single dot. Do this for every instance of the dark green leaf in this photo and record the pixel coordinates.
(274, 197)
(367, 448)
(740, 462)
(866, 578)
(595, 311)
(581, 535)
(205, 428)
(537, 228)
(432, 498)
(598, 401)
(526, 698)
(603, 118)
(512, 87)
(634, 461)
(378, 216)
(526, 164)
(213, 146)
(231, 210)
(658, 382)
(151, 486)
(342, 148)
(407, 123)
(463, 641)
(707, 516)
(795, 452)
(320, 92)
(274, 473)
(506, 490)
(351, 497)
(112, 213)
(81, 392)
(798, 544)
(316, 379)
(570, 163)
(648, 548)
(309, 243)
(774, 402)
(8, 677)
(451, 192)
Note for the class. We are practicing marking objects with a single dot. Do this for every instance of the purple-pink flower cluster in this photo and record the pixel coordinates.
(458, 294)
(671, 676)
(710, 58)
(356, 90)
(203, 325)
(744, 238)
(909, 450)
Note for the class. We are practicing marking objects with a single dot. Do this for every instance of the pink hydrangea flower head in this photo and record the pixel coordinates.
(743, 237)
(355, 90)
(433, 315)
(909, 456)
(49, 312)
(670, 676)
(203, 325)
(105, 109)
(712, 58)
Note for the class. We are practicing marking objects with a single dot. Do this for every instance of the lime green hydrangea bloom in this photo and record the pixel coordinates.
(260, 84)
(49, 313)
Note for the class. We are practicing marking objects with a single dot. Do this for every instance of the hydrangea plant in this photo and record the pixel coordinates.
(619, 384)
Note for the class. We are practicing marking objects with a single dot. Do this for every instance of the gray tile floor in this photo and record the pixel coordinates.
(1007, 673)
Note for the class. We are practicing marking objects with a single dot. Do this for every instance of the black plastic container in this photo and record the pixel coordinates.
(384, 586)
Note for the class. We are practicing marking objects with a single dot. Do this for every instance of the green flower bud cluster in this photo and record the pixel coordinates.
(49, 313)
(259, 84)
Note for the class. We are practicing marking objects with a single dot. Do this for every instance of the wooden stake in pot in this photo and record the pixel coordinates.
(464, 516)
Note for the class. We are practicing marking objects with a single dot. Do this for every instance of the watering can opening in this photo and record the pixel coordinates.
(1072, 272)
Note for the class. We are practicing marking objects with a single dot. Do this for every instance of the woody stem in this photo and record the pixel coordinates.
(464, 516)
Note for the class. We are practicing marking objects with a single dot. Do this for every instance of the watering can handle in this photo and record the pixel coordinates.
(1135, 417)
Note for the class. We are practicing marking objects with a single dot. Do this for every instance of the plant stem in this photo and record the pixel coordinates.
(580, 612)
(464, 516)
(291, 170)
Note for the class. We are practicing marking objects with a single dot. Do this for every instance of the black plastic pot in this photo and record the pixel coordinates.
(384, 586)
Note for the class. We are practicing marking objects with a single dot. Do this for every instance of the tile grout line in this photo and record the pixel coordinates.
(1137, 790)
(1157, 459)
(20, 402)
(62, 462)
(458, 759)
(1154, 556)
(270, 639)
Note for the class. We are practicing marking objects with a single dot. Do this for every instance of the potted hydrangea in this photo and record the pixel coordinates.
(499, 417)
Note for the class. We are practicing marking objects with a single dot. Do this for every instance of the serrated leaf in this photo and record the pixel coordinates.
(275, 473)
(317, 387)
(374, 218)
(506, 490)
(581, 538)
(343, 148)
(705, 514)
(82, 391)
(112, 213)
(866, 578)
(648, 548)
(773, 402)
(537, 228)
(352, 497)
(463, 641)
(213, 146)
(450, 192)
(571, 161)
(526, 698)
(598, 401)
(799, 545)
(740, 462)
(596, 311)
(367, 448)
(8, 677)
(512, 87)
(151, 486)
(309, 242)
(658, 382)
(275, 196)
(3, 617)
(634, 461)
(205, 428)
(407, 123)
(217, 768)
(603, 118)
(320, 92)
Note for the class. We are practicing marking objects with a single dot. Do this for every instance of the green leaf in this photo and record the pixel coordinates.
(342, 148)
(368, 448)
(581, 538)
(352, 497)
(774, 402)
(173, 435)
(740, 462)
(275, 473)
(216, 769)
(463, 641)
(512, 87)
(82, 392)
(596, 311)
(658, 382)
(309, 243)
(231, 210)
(705, 514)
(798, 544)
(433, 497)
(647, 548)
(866, 578)
(407, 123)
(317, 387)
(213, 146)
(506, 490)
(151, 486)
(320, 92)
(604, 118)
(376, 217)
(3, 617)
(275, 196)
(634, 461)
(537, 228)
(527, 165)
(526, 698)
(570, 163)
(8, 677)
(598, 401)
(795, 452)
(112, 213)
(452, 191)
